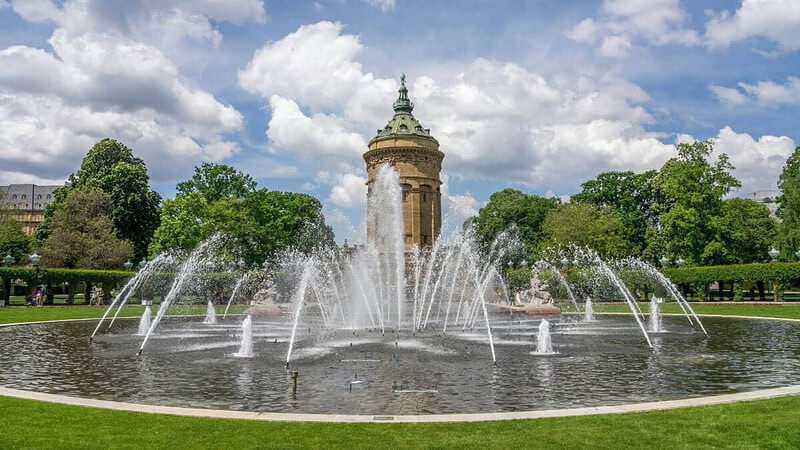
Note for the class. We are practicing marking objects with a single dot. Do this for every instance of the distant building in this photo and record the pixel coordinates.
(26, 203)
(768, 198)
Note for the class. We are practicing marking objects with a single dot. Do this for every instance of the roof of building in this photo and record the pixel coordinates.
(403, 122)
(29, 196)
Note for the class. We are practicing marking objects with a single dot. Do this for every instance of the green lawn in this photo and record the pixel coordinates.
(32, 314)
(778, 310)
(759, 424)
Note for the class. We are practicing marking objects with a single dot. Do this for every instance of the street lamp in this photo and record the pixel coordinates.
(774, 254)
(797, 253)
(8, 260)
(524, 264)
(142, 263)
(680, 262)
(664, 261)
(35, 260)
(128, 265)
(242, 264)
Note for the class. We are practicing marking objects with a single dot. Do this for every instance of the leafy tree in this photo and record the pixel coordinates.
(217, 181)
(586, 225)
(110, 167)
(631, 194)
(512, 207)
(83, 235)
(689, 193)
(743, 233)
(13, 240)
(258, 223)
(789, 207)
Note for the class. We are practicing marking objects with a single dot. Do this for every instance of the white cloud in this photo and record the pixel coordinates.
(463, 206)
(730, 97)
(758, 163)
(350, 191)
(623, 22)
(11, 177)
(313, 65)
(310, 138)
(101, 81)
(776, 20)
(766, 93)
(384, 5)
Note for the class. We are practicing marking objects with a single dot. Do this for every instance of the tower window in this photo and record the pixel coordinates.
(424, 197)
(403, 127)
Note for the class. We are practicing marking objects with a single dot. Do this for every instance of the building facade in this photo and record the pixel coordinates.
(25, 203)
(768, 198)
(409, 147)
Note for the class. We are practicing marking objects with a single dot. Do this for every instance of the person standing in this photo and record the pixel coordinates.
(99, 296)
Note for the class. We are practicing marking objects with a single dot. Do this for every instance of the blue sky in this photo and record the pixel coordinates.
(538, 95)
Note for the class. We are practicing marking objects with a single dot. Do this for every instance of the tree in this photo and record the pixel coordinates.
(586, 225)
(743, 233)
(110, 167)
(217, 181)
(83, 235)
(13, 240)
(689, 193)
(512, 207)
(259, 223)
(789, 207)
(631, 194)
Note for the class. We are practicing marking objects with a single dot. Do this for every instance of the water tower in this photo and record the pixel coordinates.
(409, 147)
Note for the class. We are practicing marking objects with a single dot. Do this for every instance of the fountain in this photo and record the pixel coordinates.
(655, 325)
(544, 343)
(378, 314)
(211, 314)
(144, 322)
(246, 346)
(588, 311)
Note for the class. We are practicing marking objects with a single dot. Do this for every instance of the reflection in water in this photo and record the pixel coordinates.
(599, 363)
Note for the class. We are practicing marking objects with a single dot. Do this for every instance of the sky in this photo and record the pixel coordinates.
(537, 95)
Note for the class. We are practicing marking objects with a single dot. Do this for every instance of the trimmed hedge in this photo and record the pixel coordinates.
(59, 276)
(784, 273)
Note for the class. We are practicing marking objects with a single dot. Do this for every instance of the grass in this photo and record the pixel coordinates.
(33, 314)
(758, 424)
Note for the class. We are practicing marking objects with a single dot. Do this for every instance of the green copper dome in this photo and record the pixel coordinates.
(403, 122)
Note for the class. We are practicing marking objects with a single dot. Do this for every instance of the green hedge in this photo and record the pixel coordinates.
(59, 276)
(784, 273)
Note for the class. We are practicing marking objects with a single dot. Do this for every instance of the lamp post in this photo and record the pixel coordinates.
(680, 262)
(664, 261)
(128, 265)
(773, 254)
(142, 263)
(242, 264)
(8, 260)
(35, 260)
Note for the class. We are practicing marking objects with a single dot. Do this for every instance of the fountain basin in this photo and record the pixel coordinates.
(601, 364)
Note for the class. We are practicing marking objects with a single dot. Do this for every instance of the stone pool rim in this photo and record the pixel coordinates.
(761, 394)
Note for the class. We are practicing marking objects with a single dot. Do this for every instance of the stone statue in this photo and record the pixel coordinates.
(538, 294)
(263, 303)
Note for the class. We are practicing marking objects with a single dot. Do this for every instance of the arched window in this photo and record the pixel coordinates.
(39, 196)
(14, 196)
(24, 196)
(49, 196)
(403, 128)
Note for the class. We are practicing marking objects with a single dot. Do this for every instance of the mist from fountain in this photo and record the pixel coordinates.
(588, 311)
(241, 281)
(246, 346)
(669, 286)
(187, 270)
(654, 322)
(211, 314)
(144, 322)
(591, 259)
(451, 283)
